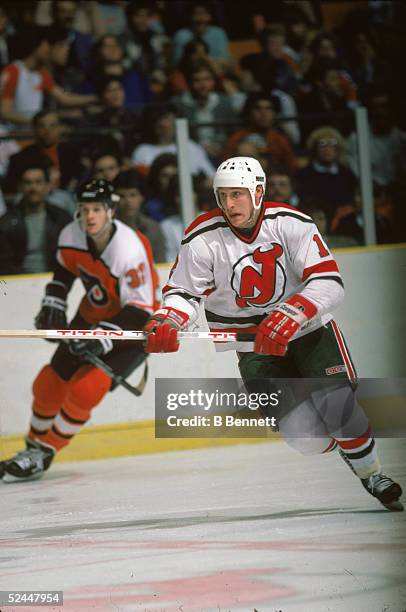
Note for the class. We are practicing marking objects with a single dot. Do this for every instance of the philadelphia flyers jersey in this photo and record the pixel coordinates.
(122, 274)
(241, 276)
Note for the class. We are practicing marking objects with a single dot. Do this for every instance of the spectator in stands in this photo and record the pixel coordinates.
(130, 186)
(8, 148)
(195, 51)
(387, 141)
(327, 98)
(315, 208)
(4, 37)
(203, 104)
(324, 51)
(48, 145)
(297, 38)
(145, 49)
(348, 220)
(172, 225)
(115, 115)
(365, 65)
(80, 43)
(258, 116)
(163, 168)
(24, 82)
(108, 60)
(159, 137)
(281, 186)
(68, 77)
(107, 165)
(326, 176)
(272, 67)
(29, 231)
(201, 28)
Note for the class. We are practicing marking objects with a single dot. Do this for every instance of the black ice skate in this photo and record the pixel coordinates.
(29, 464)
(384, 489)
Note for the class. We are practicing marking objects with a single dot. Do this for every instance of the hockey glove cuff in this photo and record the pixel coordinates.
(281, 325)
(53, 307)
(162, 329)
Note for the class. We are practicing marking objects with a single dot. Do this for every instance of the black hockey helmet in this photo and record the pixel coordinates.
(98, 190)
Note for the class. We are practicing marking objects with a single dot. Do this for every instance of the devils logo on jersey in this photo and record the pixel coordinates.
(258, 278)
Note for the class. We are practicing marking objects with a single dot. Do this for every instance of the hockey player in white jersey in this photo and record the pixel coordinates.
(263, 268)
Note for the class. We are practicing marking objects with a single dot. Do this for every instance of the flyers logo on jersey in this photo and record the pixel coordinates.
(258, 278)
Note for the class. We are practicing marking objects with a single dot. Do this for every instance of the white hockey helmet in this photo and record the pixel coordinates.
(240, 172)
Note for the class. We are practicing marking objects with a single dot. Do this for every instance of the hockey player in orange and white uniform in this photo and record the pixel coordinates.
(263, 268)
(115, 266)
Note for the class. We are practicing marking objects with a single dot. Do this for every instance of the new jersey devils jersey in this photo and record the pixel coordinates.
(122, 274)
(242, 276)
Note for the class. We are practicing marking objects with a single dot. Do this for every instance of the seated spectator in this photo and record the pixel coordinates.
(315, 208)
(159, 137)
(365, 65)
(195, 51)
(145, 48)
(201, 104)
(259, 116)
(106, 165)
(297, 37)
(163, 168)
(201, 27)
(272, 67)
(67, 77)
(108, 60)
(55, 195)
(324, 50)
(25, 81)
(172, 225)
(281, 186)
(8, 147)
(387, 141)
(130, 186)
(116, 115)
(349, 221)
(327, 98)
(63, 15)
(326, 176)
(29, 232)
(48, 145)
(4, 37)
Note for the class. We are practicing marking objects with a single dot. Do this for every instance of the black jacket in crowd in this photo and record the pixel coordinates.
(13, 238)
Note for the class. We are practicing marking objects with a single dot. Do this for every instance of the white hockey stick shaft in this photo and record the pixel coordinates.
(75, 334)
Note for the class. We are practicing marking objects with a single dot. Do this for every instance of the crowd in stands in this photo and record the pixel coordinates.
(93, 88)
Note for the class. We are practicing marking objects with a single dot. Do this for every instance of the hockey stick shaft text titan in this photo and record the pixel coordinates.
(75, 334)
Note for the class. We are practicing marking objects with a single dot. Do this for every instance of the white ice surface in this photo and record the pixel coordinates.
(215, 530)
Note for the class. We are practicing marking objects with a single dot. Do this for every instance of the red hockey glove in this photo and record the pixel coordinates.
(162, 329)
(276, 330)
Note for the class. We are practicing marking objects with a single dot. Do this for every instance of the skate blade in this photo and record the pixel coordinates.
(395, 506)
(9, 478)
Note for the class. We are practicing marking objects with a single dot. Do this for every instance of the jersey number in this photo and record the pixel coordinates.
(322, 249)
(136, 276)
(96, 293)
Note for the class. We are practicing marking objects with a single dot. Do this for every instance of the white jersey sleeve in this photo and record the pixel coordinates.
(314, 264)
(191, 279)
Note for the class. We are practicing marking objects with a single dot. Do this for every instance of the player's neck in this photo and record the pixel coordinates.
(101, 241)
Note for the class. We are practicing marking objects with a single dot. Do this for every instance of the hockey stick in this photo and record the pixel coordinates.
(117, 379)
(68, 334)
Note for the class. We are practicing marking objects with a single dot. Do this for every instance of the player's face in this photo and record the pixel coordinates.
(94, 217)
(237, 205)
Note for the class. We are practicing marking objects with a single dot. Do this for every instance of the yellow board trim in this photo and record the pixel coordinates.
(117, 440)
